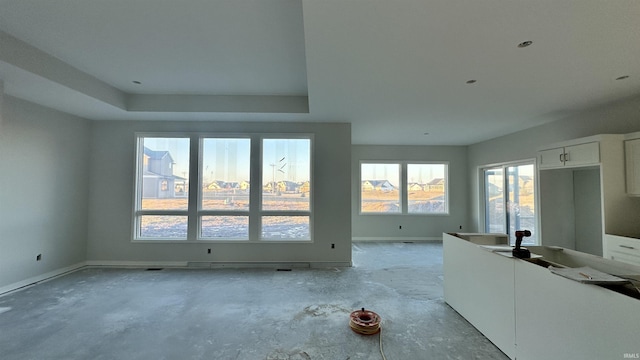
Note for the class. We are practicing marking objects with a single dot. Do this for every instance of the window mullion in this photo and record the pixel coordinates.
(255, 191)
(195, 186)
(404, 192)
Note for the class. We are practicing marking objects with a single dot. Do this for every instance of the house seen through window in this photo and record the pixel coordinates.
(509, 200)
(228, 206)
(403, 188)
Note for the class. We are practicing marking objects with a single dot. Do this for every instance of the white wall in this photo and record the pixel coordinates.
(616, 118)
(111, 198)
(414, 227)
(44, 164)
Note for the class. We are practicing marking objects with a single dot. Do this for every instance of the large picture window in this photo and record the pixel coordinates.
(403, 188)
(223, 204)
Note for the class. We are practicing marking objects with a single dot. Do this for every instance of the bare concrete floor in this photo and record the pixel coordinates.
(244, 313)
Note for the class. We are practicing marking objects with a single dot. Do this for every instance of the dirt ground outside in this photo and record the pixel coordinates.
(232, 227)
(375, 201)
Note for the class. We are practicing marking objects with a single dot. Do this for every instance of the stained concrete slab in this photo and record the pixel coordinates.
(100, 313)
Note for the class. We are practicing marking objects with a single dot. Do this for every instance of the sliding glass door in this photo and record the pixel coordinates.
(509, 200)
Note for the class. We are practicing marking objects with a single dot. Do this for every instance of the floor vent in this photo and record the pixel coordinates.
(154, 269)
(408, 242)
(283, 269)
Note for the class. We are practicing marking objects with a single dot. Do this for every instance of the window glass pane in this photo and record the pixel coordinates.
(165, 174)
(520, 202)
(163, 227)
(495, 221)
(286, 174)
(225, 227)
(427, 188)
(285, 228)
(225, 174)
(379, 188)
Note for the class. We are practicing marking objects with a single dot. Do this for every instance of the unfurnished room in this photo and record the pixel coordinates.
(319, 179)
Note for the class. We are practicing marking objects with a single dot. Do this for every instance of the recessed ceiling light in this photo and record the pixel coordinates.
(622, 77)
(524, 44)
(472, 81)
(426, 133)
(136, 82)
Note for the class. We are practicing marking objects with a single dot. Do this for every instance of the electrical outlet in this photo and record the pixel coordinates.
(460, 227)
(208, 251)
(38, 257)
(333, 246)
(400, 227)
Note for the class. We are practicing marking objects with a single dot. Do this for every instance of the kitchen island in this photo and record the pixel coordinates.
(530, 312)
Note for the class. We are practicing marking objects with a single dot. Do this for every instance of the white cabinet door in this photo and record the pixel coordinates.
(552, 158)
(632, 165)
(583, 154)
(570, 156)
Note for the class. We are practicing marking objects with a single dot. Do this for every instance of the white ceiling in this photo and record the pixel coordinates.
(394, 69)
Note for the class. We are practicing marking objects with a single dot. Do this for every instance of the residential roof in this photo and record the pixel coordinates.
(156, 154)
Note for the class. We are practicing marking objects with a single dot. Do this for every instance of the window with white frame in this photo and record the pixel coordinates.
(427, 189)
(286, 178)
(225, 188)
(509, 200)
(162, 188)
(223, 204)
(403, 188)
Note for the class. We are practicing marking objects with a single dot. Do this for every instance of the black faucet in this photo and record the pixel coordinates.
(520, 252)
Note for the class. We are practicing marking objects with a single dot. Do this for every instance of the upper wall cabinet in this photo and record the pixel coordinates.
(632, 163)
(570, 156)
(582, 193)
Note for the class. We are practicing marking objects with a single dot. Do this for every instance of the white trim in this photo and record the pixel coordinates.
(5, 290)
(1, 101)
(136, 264)
(396, 239)
(41, 278)
(334, 264)
(216, 264)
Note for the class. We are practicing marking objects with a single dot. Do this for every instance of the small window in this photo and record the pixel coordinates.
(285, 228)
(379, 188)
(225, 227)
(427, 188)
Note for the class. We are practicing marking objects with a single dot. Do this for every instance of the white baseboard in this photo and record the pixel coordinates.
(217, 264)
(338, 264)
(137, 264)
(41, 278)
(396, 239)
(269, 265)
(163, 264)
(250, 265)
